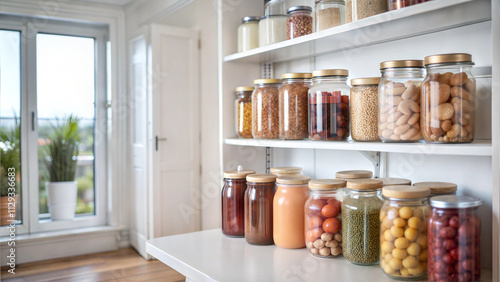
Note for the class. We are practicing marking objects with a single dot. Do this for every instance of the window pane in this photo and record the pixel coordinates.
(10, 125)
(66, 90)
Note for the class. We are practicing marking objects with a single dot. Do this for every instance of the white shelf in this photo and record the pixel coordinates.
(476, 148)
(428, 17)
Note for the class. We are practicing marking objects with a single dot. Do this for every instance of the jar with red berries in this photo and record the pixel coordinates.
(453, 236)
(323, 217)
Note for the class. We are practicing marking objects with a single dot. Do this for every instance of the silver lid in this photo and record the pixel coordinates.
(299, 8)
(451, 202)
(250, 19)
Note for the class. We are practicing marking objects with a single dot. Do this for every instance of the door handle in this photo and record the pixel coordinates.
(157, 139)
(32, 121)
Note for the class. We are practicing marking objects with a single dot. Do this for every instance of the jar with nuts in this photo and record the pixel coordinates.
(364, 109)
(403, 232)
(399, 101)
(293, 105)
(329, 105)
(265, 109)
(323, 217)
(243, 111)
(448, 99)
(299, 22)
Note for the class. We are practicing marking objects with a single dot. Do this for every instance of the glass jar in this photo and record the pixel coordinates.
(293, 105)
(288, 211)
(398, 4)
(361, 225)
(353, 174)
(275, 7)
(329, 13)
(259, 209)
(403, 230)
(265, 109)
(272, 29)
(390, 181)
(329, 105)
(286, 171)
(364, 109)
(399, 101)
(248, 34)
(323, 217)
(439, 188)
(299, 22)
(243, 111)
(360, 9)
(449, 99)
(233, 197)
(454, 237)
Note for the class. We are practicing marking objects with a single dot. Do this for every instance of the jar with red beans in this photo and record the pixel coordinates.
(453, 236)
(323, 217)
(439, 188)
(259, 209)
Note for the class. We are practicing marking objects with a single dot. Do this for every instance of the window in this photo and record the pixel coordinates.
(56, 76)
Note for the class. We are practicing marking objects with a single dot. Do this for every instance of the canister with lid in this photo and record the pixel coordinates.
(293, 105)
(248, 34)
(353, 174)
(439, 188)
(360, 9)
(364, 109)
(286, 171)
(299, 22)
(243, 111)
(259, 209)
(329, 13)
(265, 109)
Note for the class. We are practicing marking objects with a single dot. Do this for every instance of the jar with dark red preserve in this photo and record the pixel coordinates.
(259, 209)
(453, 239)
(233, 196)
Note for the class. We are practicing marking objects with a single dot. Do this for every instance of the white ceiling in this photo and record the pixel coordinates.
(111, 2)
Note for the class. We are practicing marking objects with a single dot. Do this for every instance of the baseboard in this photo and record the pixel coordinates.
(138, 242)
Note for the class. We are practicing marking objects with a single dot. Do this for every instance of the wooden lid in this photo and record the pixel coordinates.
(296, 75)
(389, 181)
(298, 179)
(267, 81)
(365, 81)
(261, 178)
(244, 88)
(402, 64)
(286, 170)
(448, 58)
(333, 72)
(326, 184)
(364, 184)
(405, 192)
(353, 174)
(438, 187)
(238, 174)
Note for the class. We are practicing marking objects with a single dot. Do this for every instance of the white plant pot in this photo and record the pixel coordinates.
(61, 199)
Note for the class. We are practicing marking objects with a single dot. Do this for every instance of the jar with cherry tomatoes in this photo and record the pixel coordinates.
(323, 217)
(453, 236)
(439, 188)
(403, 232)
(259, 209)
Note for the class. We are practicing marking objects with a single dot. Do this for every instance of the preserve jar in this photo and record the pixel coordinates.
(259, 209)
(286, 171)
(243, 111)
(399, 101)
(360, 218)
(233, 197)
(360, 9)
(293, 105)
(329, 13)
(353, 174)
(272, 29)
(439, 188)
(454, 237)
(323, 217)
(329, 105)
(398, 4)
(390, 181)
(364, 109)
(449, 99)
(288, 211)
(403, 230)
(248, 34)
(299, 22)
(265, 109)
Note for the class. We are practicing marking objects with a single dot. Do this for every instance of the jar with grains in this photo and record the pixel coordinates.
(329, 13)
(353, 174)
(323, 217)
(243, 111)
(233, 198)
(286, 171)
(391, 181)
(399, 101)
(329, 105)
(248, 34)
(360, 218)
(272, 29)
(259, 209)
(293, 105)
(364, 109)
(299, 22)
(265, 109)
(398, 4)
(453, 237)
(448, 99)
(288, 211)
(360, 9)
(439, 188)
(403, 230)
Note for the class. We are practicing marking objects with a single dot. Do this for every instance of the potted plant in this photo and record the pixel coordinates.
(9, 162)
(60, 156)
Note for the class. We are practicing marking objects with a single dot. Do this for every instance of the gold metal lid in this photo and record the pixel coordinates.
(353, 174)
(238, 174)
(296, 75)
(261, 178)
(244, 88)
(296, 179)
(448, 58)
(334, 72)
(364, 184)
(390, 181)
(286, 170)
(266, 81)
(405, 192)
(438, 187)
(326, 184)
(402, 64)
(365, 81)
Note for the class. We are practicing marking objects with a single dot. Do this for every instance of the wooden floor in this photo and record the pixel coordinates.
(121, 265)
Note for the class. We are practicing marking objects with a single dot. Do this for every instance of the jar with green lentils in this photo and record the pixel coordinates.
(360, 221)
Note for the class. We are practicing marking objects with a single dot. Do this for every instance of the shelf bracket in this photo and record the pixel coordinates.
(374, 157)
(268, 160)
(267, 70)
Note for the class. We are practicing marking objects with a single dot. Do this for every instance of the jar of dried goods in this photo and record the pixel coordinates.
(243, 111)
(403, 230)
(361, 225)
(364, 109)
(353, 174)
(323, 219)
(265, 109)
(454, 237)
(399, 101)
(248, 34)
(288, 211)
(299, 22)
(293, 105)
(286, 171)
(329, 105)
(360, 9)
(391, 181)
(272, 29)
(259, 209)
(398, 4)
(448, 99)
(329, 13)
(233, 197)
(439, 188)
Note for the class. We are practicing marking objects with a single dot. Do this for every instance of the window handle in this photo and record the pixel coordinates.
(157, 140)
(32, 121)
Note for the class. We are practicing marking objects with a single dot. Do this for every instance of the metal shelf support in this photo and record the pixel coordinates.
(268, 159)
(375, 158)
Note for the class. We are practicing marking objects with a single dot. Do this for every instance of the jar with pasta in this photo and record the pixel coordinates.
(364, 109)
(243, 111)
(293, 105)
(265, 109)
